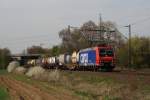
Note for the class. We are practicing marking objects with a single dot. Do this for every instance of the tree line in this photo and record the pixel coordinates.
(140, 53)
(80, 38)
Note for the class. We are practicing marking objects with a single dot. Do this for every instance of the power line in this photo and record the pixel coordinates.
(141, 21)
(136, 22)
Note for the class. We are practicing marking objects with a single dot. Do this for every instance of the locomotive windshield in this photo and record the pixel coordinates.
(104, 52)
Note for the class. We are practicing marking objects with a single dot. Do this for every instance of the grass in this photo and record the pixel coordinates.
(3, 72)
(111, 98)
(22, 78)
(93, 80)
(72, 87)
(86, 86)
(88, 78)
(56, 87)
(86, 95)
(52, 88)
(3, 93)
(146, 88)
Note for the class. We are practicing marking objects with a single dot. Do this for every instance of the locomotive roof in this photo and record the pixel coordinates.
(92, 48)
(87, 49)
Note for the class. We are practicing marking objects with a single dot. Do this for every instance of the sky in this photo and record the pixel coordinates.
(24, 23)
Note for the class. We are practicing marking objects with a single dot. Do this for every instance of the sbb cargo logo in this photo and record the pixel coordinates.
(84, 59)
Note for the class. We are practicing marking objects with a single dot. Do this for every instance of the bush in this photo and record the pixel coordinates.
(43, 75)
(54, 75)
(12, 65)
(35, 72)
(49, 76)
(20, 70)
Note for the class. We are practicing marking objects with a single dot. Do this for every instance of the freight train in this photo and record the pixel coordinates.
(94, 58)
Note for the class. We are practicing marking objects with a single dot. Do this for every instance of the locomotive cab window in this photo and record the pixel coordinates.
(110, 52)
(104, 52)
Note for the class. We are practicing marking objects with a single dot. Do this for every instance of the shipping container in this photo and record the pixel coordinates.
(61, 59)
(51, 60)
(74, 57)
(67, 59)
(87, 57)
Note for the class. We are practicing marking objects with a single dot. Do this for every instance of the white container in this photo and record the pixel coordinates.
(77, 57)
(74, 57)
(52, 60)
(68, 59)
(61, 59)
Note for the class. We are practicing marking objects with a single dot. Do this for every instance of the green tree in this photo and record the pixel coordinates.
(122, 56)
(140, 53)
(55, 51)
(4, 58)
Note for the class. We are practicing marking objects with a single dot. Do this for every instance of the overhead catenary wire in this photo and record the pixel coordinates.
(135, 23)
(132, 24)
(140, 21)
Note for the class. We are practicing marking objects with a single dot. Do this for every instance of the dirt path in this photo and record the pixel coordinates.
(23, 91)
